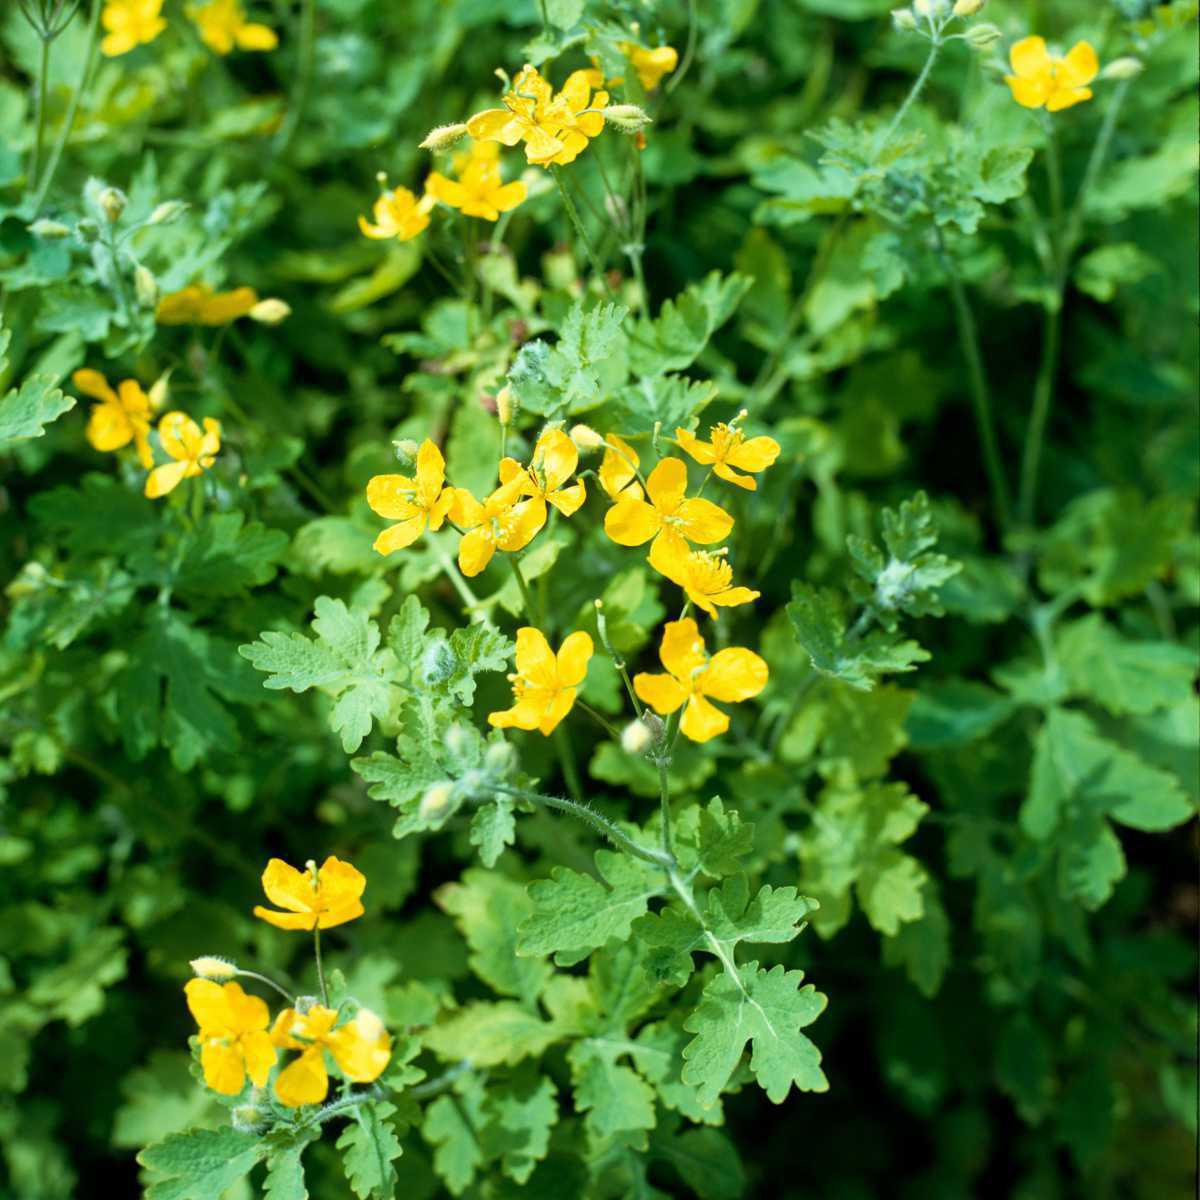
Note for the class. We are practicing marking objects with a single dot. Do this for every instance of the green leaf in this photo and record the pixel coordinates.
(683, 327)
(955, 713)
(706, 1160)
(922, 946)
(767, 1009)
(285, 1173)
(25, 412)
(521, 1111)
(200, 1164)
(101, 516)
(715, 836)
(490, 1034)
(224, 556)
(564, 13)
(369, 1146)
(1107, 270)
(458, 1155)
(659, 402)
(614, 1097)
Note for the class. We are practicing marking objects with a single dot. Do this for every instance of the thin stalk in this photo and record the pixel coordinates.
(465, 594)
(935, 48)
(526, 595)
(617, 660)
(307, 59)
(1096, 160)
(664, 797)
(320, 966)
(1043, 397)
(689, 52)
(43, 84)
(600, 720)
(269, 982)
(570, 768)
(573, 217)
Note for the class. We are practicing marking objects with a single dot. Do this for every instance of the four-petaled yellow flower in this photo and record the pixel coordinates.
(705, 576)
(121, 417)
(222, 25)
(193, 451)
(417, 504)
(666, 513)
(314, 898)
(1040, 78)
(398, 214)
(544, 685)
(651, 65)
(234, 1041)
(555, 458)
(360, 1047)
(479, 190)
(198, 304)
(130, 23)
(579, 113)
(730, 675)
(502, 522)
(618, 471)
(727, 448)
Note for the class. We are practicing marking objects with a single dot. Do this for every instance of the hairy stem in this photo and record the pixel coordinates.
(43, 85)
(320, 965)
(307, 59)
(573, 217)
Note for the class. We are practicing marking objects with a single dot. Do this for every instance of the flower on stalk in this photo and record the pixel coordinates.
(193, 451)
(222, 25)
(694, 679)
(1041, 79)
(398, 214)
(727, 448)
(582, 118)
(198, 304)
(503, 521)
(234, 1041)
(360, 1047)
(618, 470)
(555, 458)
(545, 684)
(416, 504)
(667, 514)
(315, 898)
(651, 65)
(479, 190)
(705, 576)
(120, 417)
(130, 23)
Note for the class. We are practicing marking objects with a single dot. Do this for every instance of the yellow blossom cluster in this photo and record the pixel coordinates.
(222, 25)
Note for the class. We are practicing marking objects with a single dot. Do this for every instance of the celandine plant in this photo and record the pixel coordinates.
(700, 567)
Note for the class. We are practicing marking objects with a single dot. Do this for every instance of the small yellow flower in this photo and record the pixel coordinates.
(529, 115)
(398, 214)
(222, 25)
(198, 304)
(417, 504)
(360, 1047)
(730, 675)
(1039, 78)
(479, 190)
(651, 65)
(130, 23)
(618, 470)
(502, 522)
(577, 112)
(193, 451)
(121, 417)
(555, 458)
(727, 448)
(314, 898)
(705, 576)
(545, 684)
(234, 1041)
(666, 514)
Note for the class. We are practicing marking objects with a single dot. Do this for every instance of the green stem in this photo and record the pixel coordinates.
(1043, 397)
(307, 59)
(526, 595)
(617, 660)
(664, 796)
(968, 338)
(935, 48)
(689, 52)
(573, 216)
(1095, 162)
(43, 83)
(269, 982)
(320, 965)
(570, 768)
(88, 58)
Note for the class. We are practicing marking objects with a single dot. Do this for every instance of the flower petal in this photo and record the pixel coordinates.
(304, 1081)
(361, 1047)
(667, 484)
(252, 36)
(109, 427)
(165, 479)
(392, 496)
(1079, 67)
(733, 674)
(702, 721)
(723, 471)
(92, 383)
(285, 920)
(569, 500)
(494, 124)
(208, 1004)
(224, 1071)
(396, 537)
(632, 522)
(526, 713)
(1060, 98)
(556, 457)
(690, 444)
(1029, 57)
(573, 657)
(661, 692)
(260, 1055)
(475, 551)
(682, 649)
(535, 660)
(1028, 93)
(757, 454)
(560, 704)
(525, 522)
(703, 521)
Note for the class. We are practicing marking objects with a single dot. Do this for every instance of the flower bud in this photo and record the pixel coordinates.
(271, 311)
(158, 390)
(928, 9)
(247, 1118)
(442, 136)
(636, 738)
(968, 8)
(500, 758)
(435, 801)
(305, 1004)
(145, 286)
(166, 212)
(47, 229)
(111, 202)
(1123, 68)
(406, 451)
(903, 20)
(86, 230)
(211, 967)
(506, 405)
(585, 438)
(628, 118)
(980, 37)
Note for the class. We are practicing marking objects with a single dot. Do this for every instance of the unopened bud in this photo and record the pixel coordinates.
(435, 801)
(86, 230)
(169, 210)
(145, 286)
(406, 451)
(442, 136)
(636, 738)
(968, 8)
(111, 202)
(506, 405)
(500, 758)
(1123, 68)
(271, 311)
(211, 967)
(159, 389)
(305, 1004)
(980, 37)
(586, 438)
(247, 1118)
(47, 229)
(628, 118)
(903, 19)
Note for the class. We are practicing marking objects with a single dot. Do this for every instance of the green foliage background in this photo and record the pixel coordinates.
(978, 749)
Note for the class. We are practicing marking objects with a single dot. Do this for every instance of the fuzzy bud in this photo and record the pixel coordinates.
(500, 758)
(247, 1118)
(145, 286)
(271, 311)
(87, 230)
(903, 20)
(628, 118)
(980, 37)
(442, 136)
(158, 390)
(305, 1004)
(211, 967)
(968, 8)
(47, 229)
(636, 738)
(506, 405)
(168, 211)
(585, 438)
(111, 202)
(406, 451)
(435, 801)
(1123, 68)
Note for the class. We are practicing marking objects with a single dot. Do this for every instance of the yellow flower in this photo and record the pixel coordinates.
(727, 448)
(651, 65)
(730, 675)
(577, 111)
(479, 190)
(360, 1047)
(544, 685)
(555, 458)
(234, 1041)
(705, 576)
(618, 470)
(198, 304)
(398, 214)
(222, 25)
(502, 522)
(193, 451)
(314, 898)
(529, 115)
(666, 514)
(130, 23)
(416, 504)
(121, 417)
(1039, 78)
